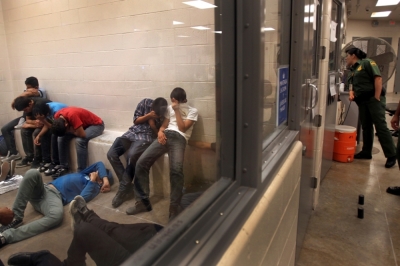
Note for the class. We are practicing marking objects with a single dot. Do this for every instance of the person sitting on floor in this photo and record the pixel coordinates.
(74, 122)
(49, 199)
(147, 120)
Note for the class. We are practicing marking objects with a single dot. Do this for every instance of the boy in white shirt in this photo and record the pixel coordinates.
(172, 138)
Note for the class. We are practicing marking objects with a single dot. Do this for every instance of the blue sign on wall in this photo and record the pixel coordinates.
(283, 90)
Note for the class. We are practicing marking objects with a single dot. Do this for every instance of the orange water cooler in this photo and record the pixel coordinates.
(345, 143)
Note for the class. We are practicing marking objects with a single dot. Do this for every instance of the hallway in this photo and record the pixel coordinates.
(335, 235)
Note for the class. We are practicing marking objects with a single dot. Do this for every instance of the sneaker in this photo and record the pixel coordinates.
(25, 162)
(53, 168)
(5, 168)
(120, 198)
(21, 122)
(44, 166)
(140, 206)
(4, 157)
(24, 258)
(60, 172)
(14, 224)
(3, 241)
(35, 164)
(390, 162)
(77, 209)
(14, 157)
(362, 155)
(393, 190)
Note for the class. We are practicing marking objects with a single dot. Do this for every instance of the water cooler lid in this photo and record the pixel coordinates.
(345, 129)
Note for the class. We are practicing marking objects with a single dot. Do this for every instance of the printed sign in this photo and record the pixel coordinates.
(283, 90)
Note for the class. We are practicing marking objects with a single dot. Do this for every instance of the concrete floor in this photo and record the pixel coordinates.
(335, 235)
(59, 239)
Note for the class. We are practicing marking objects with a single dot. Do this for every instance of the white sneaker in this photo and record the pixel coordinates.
(20, 123)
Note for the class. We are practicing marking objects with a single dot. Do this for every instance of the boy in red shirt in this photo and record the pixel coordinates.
(74, 122)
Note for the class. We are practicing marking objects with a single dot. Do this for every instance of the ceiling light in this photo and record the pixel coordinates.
(267, 29)
(200, 4)
(200, 28)
(387, 2)
(380, 14)
(177, 22)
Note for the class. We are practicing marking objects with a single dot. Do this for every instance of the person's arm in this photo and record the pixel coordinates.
(31, 92)
(395, 119)
(153, 126)
(146, 117)
(378, 87)
(45, 128)
(162, 139)
(183, 126)
(79, 132)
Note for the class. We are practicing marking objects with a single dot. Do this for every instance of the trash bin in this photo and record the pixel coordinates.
(345, 143)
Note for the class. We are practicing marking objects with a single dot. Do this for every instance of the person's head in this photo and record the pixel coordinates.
(32, 83)
(353, 55)
(40, 109)
(178, 94)
(159, 106)
(23, 103)
(59, 127)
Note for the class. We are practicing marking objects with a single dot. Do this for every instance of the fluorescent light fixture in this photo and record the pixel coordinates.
(183, 36)
(264, 29)
(177, 22)
(309, 8)
(200, 4)
(200, 28)
(309, 19)
(380, 14)
(387, 2)
(218, 32)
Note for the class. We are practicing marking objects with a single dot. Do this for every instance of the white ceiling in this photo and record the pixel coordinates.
(357, 10)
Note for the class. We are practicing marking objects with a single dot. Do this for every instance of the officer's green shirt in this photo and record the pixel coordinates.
(362, 76)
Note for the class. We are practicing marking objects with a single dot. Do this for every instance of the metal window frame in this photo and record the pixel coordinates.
(202, 233)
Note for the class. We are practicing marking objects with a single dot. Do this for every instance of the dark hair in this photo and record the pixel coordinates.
(21, 102)
(58, 128)
(32, 82)
(41, 108)
(360, 54)
(179, 94)
(159, 106)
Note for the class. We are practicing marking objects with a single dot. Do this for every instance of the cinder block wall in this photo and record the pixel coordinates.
(106, 55)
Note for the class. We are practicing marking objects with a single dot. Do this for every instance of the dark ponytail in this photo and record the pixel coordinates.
(360, 54)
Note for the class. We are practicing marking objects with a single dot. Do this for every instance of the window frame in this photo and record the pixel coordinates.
(202, 233)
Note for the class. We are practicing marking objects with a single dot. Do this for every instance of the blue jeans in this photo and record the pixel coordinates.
(81, 146)
(43, 199)
(8, 133)
(119, 147)
(175, 147)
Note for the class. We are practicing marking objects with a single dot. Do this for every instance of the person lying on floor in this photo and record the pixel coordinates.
(107, 243)
(49, 199)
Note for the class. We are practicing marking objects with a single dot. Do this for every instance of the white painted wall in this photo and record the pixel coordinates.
(106, 55)
(361, 28)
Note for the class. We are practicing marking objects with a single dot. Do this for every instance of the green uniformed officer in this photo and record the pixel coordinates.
(365, 85)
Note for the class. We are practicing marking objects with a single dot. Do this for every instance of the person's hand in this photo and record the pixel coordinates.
(351, 95)
(378, 99)
(36, 140)
(38, 123)
(106, 186)
(175, 104)
(94, 177)
(162, 139)
(395, 122)
(152, 115)
(6, 216)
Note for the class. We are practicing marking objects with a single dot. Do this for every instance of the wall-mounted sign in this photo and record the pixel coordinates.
(283, 91)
